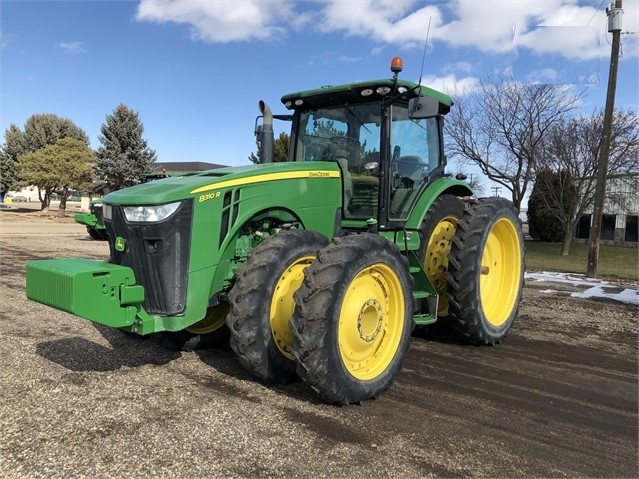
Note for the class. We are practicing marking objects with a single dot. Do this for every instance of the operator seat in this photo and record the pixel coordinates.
(347, 182)
(408, 176)
(410, 167)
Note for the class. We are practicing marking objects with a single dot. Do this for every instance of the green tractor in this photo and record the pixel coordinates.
(319, 267)
(93, 219)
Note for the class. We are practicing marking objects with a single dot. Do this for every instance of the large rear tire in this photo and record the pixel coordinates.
(353, 318)
(486, 271)
(436, 233)
(262, 303)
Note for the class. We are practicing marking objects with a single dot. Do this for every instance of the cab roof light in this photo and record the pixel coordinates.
(397, 65)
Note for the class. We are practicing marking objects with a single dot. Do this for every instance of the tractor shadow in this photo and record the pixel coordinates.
(223, 360)
(80, 354)
(440, 332)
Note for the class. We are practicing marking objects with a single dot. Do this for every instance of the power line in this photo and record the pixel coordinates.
(596, 12)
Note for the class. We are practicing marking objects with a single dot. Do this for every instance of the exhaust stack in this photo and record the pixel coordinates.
(265, 134)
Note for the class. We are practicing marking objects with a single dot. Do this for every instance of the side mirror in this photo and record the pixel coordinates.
(423, 107)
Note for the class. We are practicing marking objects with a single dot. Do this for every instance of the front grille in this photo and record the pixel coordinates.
(158, 253)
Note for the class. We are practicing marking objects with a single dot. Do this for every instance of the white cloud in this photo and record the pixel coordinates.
(582, 43)
(562, 27)
(221, 21)
(464, 67)
(383, 21)
(569, 28)
(560, 77)
(347, 59)
(450, 84)
(72, 47)
(546, 75)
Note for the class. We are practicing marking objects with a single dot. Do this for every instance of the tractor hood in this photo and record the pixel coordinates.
(181, 187)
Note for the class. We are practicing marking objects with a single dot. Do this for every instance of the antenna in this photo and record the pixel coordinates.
(424, 54)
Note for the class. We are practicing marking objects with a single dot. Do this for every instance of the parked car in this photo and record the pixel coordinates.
(20, 199)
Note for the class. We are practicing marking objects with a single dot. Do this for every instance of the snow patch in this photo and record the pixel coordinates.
(595, 288)
(629, 295)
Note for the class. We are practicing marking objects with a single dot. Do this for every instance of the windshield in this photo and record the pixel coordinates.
(350, 136)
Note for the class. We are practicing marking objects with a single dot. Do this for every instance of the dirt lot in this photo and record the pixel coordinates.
(557, 399)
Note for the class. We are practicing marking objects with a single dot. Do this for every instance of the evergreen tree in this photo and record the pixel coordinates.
(551, 199)
(40, 131)
(12, 148)
(280, 150)
(124, 156)
(46, 129)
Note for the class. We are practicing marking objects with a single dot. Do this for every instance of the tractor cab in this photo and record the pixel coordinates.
(384, 134)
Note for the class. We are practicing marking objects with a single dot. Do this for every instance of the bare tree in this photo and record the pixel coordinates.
(501, 127)
(572, 147)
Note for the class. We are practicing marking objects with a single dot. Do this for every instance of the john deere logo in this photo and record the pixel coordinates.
(119, 244)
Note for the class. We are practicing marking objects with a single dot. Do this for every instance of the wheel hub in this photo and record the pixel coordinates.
(370, 320)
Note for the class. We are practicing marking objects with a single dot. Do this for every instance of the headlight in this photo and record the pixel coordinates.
(107, 212)
(148, 214)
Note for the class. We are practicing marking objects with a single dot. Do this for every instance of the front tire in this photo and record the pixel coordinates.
(353, 318)
(486, 271)
(262, 303)
(97, 234)
(210, 332)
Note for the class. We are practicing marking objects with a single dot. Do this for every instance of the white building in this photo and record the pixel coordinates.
(619, 225)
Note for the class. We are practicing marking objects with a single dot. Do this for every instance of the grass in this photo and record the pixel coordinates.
(615, 262)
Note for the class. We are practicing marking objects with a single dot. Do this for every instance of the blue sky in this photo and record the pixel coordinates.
(195, 70)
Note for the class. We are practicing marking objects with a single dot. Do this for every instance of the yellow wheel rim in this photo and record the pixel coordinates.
(436, 259)
(500, 272)
(371, 322)
(215, 318)
(283, 304)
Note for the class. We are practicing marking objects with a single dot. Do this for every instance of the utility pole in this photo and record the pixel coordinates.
(614, 25)
(496, 190)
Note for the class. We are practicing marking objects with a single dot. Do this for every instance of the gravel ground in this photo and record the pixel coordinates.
(557, 399)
